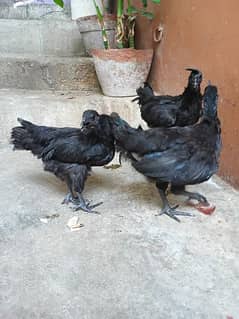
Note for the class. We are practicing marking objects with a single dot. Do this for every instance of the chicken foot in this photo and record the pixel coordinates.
(167, 209)
(69, 198)
(81, 203)
(180, 190)
(77, 199)
(72, 196)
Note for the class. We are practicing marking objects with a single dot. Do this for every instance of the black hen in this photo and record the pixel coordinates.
(69, 153)
(166, 110)
(178, 155)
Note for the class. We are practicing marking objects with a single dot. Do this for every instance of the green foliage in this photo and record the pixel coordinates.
(145, 3)
(98, 12)
(148, 15)
(60, 3)
(125, 24)
(132, 10)
(100, 18)
(120, 7)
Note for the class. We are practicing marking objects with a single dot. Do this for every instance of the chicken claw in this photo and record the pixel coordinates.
(191, 195)
(86, 207)
(173, 213)
(68, 199)
(196, 196)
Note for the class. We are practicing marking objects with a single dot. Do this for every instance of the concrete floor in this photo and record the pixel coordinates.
(125, 263)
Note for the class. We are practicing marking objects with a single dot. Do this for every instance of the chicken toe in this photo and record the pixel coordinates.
(82, 204)
(173, 213)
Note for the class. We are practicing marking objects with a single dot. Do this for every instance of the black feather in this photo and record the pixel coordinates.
(69, 152)
(168, 111)
(177, 155)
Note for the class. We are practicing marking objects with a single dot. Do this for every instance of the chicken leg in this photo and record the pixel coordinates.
(180, 190)
(167, 209)
(70, 196)
(81, 203)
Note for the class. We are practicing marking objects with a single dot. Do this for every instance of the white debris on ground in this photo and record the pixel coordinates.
(73, 223)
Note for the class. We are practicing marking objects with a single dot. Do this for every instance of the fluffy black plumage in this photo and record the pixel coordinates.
(178, 155)
(69, 153)
(168, 111)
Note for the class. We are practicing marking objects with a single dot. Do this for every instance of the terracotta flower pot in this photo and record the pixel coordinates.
(91, 32)
(121, 71)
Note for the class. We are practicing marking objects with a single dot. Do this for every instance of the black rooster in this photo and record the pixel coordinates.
(69, 153)
(178, 155)
(166, 110)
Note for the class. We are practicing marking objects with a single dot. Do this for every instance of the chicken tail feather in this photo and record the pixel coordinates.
(22, 140)
(26, 124)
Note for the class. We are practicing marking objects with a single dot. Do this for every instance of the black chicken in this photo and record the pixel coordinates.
(178, 155)
(70, 153)
(166, 110)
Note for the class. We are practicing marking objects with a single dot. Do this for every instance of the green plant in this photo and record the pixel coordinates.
(59, 3)
(125, 21)
(100, 16)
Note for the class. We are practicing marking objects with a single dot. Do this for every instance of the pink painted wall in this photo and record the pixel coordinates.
(202, 34)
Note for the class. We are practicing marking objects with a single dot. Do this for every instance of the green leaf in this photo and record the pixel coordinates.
(145, 3)
(98, 12)
(156, 1)
(148, 15)
(132, 10)
(120, 7)
(60, 3)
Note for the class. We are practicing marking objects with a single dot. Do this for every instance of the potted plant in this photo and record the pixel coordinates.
(122, 69)
(89, 26)
(84, 12)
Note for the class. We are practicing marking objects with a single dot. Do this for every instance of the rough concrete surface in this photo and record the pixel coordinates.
(54, 37)
(58, 108)
(47, 73)
(124, 263)
(33, 11)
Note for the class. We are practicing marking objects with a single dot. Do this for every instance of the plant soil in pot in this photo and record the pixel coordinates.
(91, 32)
(121, 71)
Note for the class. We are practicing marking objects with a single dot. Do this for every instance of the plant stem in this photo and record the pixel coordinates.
(103, 7)
(120, 8)
(105, 38)
(120, 26)
(131, 42)
(129, 7)
(131, 29)
(102, 25)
